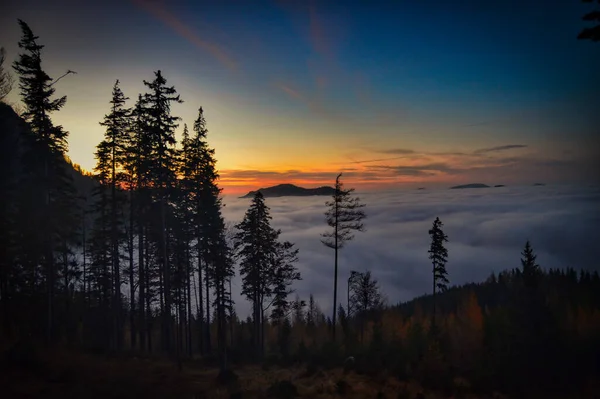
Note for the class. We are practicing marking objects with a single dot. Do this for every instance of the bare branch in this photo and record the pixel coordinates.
(62, 76)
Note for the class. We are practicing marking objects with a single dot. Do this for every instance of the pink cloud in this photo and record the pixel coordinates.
(157, 10)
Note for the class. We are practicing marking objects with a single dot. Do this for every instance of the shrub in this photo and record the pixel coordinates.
(342, 387)
(311, 369)
(282, 390)
(403, 393)
(226, 377)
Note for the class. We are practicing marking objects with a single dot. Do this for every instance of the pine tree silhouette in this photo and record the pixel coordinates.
(438, 254)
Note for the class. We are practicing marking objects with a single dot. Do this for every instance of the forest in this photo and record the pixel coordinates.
(134, 261)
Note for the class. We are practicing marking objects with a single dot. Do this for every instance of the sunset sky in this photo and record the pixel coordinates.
(393, 93)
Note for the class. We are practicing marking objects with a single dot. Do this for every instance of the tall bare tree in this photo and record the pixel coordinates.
(344, 216)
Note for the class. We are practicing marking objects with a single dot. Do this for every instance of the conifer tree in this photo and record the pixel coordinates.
(299, 314)
(311, 313)
(284, 274)
(530, 269)
(46, 161)
(365, 297)
(438, 254)
(199, 177)
(111, 161)
(100, 274)
(265, 264)
(6, 80)
(344, 216)
(160, 130)
(201, 196)
(137, 168)
(219, 271)
(184, 216)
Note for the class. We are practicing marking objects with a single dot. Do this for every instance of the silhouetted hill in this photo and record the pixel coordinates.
(499, 185)
(472, 185)
(16, 134)
(290, 190)
(539, 184)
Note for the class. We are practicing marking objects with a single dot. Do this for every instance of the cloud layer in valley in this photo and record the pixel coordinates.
(487, 229)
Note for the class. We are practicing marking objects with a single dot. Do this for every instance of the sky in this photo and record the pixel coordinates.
(392, 93)
(487, 229)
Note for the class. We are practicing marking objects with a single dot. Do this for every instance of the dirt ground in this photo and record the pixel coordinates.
(62, 374)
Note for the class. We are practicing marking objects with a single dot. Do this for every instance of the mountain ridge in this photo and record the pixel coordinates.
(291, 190)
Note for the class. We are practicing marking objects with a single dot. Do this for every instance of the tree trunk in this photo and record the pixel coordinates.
(199, 316)
(66, 318)
(84, 259)
(208, 345)
(49, 257)
(257, 326)
(189, 302)
(166, 280)
(262, 327)
(333, 320)
(200, 288)
(141, 283)
(115, 255)
(179, 323)
(132, 312)
(231, 321)
(149, 318)
(433, 313)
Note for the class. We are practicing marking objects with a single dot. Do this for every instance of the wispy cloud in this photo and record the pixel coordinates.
(318, 37)
(431, 169)
(377, 160)
(314, 104)
(499, 148)
(157, 9)
(293, 93)
(397, 151)
(331, 77)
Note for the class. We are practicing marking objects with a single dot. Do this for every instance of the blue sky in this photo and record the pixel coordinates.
(303, 89)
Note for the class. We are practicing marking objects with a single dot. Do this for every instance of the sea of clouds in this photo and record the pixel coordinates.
(487, 229)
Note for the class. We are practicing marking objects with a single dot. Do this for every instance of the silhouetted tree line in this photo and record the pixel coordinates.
(139, 259)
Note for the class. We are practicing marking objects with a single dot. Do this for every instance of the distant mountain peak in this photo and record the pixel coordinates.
(291, 190)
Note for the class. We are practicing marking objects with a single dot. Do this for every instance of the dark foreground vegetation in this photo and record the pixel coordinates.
(118, 284)
(486, 347)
